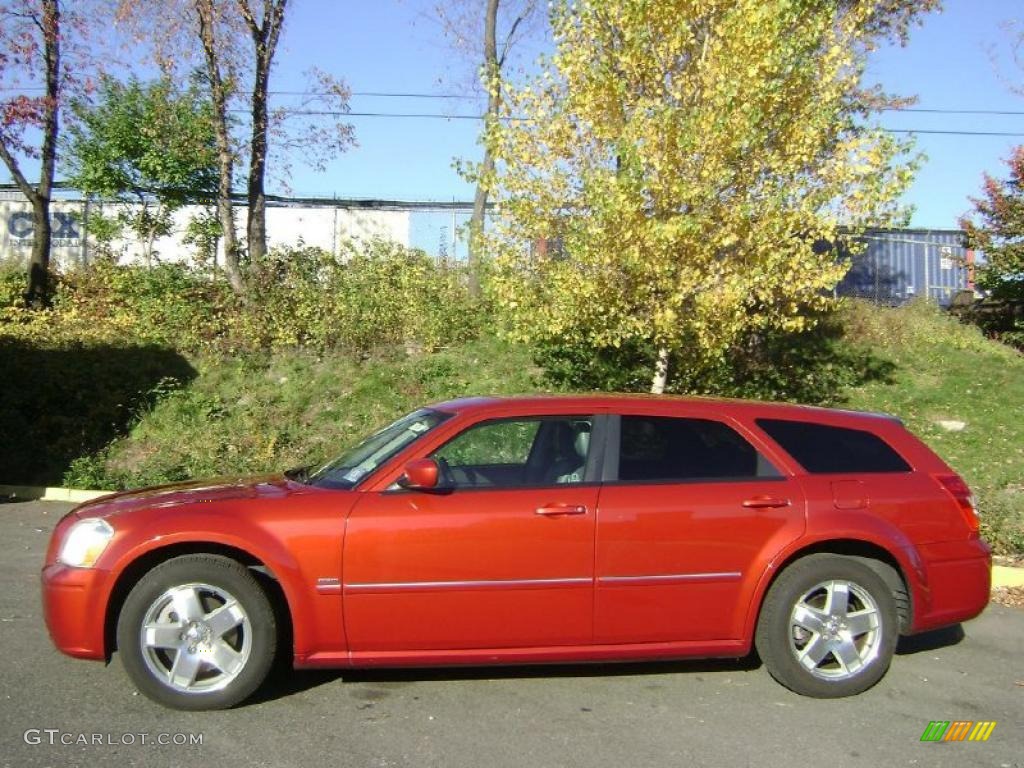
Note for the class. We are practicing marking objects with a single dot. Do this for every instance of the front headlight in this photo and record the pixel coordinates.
(85, 542)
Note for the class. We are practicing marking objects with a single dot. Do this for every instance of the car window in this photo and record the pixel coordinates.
(666, 449)
(347, 470)
(821, 448)
(502, 442)
(514, 453)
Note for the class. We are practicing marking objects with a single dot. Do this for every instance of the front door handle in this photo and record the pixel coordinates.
(765, 502)
(556, 510)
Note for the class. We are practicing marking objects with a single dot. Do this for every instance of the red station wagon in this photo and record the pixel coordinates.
(530, 530)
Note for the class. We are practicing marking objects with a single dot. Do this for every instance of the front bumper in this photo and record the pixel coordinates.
(74, 606)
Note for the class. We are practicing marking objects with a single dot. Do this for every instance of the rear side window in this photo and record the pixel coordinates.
(665, 449)
(821, 449)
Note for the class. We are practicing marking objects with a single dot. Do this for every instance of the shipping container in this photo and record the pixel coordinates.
(897, 265)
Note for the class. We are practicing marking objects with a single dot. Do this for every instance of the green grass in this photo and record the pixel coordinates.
(252, 415)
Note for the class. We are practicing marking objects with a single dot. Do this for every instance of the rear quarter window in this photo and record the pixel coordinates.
(822, 449)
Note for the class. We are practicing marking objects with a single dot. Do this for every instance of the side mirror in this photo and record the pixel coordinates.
(420, 475)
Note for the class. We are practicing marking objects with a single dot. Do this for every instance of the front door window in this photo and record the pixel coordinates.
(518, 453)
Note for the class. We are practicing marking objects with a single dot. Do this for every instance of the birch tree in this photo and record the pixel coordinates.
(685, 160)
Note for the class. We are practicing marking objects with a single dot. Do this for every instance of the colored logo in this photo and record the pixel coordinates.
(958, 730)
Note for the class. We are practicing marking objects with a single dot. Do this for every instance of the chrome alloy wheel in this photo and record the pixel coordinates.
(196, 638)
(835, 629)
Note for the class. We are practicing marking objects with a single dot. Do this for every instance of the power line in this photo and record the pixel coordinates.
(367, 94)
(437, 116)
(936, 111)
(927, 131)
(384, 95)
(454, 96)
(340, 113)
(472, 97)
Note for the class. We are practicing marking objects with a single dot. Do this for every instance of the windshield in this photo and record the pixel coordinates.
(347, 470)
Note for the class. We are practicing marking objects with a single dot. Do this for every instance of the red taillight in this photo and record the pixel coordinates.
(958, 489)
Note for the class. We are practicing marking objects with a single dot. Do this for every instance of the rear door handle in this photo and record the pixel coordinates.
(555, 510)
(765, 502)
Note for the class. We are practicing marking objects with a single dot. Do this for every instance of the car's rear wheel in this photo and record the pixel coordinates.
(828, 627)
(197, 632)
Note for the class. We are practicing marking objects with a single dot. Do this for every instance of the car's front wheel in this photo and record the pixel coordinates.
(828, 626)
(197, 632)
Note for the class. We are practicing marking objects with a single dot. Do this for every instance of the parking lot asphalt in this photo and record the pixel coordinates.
(713, 713)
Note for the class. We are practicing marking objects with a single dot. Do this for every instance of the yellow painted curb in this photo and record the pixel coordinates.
(42, 493)
(1004, 576)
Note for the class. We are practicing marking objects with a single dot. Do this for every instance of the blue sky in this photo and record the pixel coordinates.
(957, 60)
(390, 46)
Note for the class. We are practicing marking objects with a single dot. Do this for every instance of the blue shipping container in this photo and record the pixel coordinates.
(900, 264)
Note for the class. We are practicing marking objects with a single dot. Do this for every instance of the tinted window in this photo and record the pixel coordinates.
(667, 449)
(514, 453)
(819, 448)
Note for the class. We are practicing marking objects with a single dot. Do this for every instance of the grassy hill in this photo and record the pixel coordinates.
(209, 414)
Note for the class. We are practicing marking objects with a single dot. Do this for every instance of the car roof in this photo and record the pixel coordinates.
(510, 405)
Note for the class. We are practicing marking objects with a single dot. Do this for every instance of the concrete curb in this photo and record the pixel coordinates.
(1002, 575)
(44, 493)
(1005, 576)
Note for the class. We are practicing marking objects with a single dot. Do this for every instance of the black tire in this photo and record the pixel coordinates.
(788, 646)
(248, 645)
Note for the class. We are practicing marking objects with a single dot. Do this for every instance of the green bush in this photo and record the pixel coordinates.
(1002, 518)
(999, 319)
(12, 286)
(107, 303)
(164, 304)
(376, 294)
(815, 366)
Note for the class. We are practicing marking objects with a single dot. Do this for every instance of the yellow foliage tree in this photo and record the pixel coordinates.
(684, 157)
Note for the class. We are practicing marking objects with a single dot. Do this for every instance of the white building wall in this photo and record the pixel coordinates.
(325, 226)
(329, 227)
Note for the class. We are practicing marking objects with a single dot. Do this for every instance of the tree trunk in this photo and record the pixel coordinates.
(476, 225)
(226, 214)
(660, 373)
(265, 35)
(150, 235)
(37, 295)
(225, 157)
(492, 73)
(256, 223)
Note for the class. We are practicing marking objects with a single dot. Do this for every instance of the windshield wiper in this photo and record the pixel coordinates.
(298, 474)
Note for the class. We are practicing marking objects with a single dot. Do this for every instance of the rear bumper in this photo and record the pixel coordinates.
(74, 606)
(958, 583)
